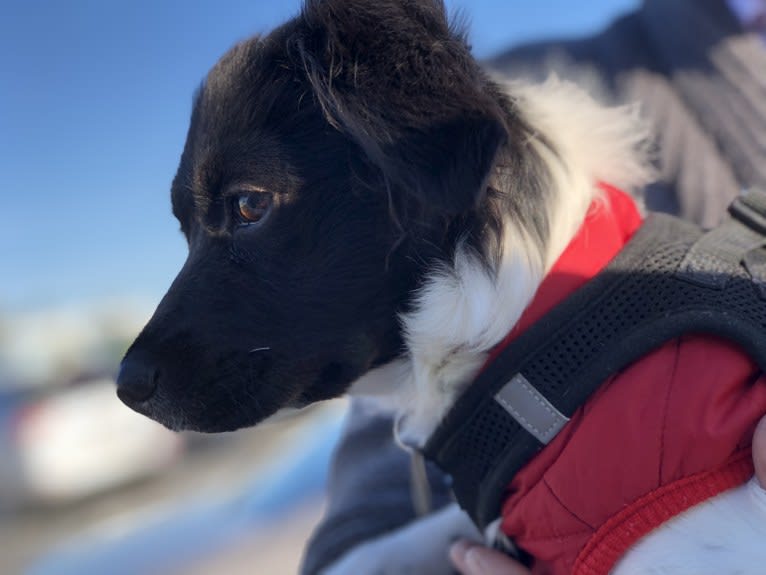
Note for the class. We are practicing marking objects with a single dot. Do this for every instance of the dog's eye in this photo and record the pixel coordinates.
(253, 207)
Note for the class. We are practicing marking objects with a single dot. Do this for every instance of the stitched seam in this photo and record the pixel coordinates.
(587, 530)
(665, 415)
(591, 528)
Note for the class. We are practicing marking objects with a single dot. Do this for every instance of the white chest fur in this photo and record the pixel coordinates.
(724, 536)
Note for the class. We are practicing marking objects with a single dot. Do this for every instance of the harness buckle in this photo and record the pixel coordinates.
(750, 209)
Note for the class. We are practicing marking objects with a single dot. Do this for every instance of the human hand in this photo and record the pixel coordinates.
(472, 559)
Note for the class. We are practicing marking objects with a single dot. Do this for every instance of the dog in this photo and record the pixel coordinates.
(368, 211)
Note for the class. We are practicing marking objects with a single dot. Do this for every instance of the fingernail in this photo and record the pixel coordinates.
(474, 561)
(458, 551)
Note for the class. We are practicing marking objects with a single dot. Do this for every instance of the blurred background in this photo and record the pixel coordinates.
(94, 103)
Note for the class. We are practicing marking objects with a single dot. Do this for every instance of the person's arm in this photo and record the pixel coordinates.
(368, 490)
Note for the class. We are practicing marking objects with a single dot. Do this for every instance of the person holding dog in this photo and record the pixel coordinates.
(696, 67)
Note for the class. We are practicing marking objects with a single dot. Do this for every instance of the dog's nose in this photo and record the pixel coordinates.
(136, 381)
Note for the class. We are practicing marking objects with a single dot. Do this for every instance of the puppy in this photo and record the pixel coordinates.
(367, 210)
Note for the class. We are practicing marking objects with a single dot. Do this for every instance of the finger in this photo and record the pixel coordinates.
(472, 559)
(759, 452)
(457, 553)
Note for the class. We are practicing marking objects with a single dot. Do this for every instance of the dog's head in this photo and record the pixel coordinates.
(328, 166)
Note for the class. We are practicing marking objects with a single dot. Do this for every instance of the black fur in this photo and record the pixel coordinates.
(376, 133)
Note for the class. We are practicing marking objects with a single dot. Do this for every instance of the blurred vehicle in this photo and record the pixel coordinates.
(254, 518)
(59, 445)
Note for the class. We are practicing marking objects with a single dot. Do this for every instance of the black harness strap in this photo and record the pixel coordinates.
(671, 279)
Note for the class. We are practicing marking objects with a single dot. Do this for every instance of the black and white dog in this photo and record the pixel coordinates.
(367, 210)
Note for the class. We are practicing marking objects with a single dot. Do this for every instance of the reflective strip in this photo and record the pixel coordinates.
(533, 412)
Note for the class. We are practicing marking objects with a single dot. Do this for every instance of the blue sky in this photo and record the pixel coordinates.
(94, 103)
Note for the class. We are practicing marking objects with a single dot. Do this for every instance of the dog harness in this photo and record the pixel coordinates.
(627, 393)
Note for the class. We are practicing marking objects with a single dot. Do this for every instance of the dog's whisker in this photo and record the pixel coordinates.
(257, 349)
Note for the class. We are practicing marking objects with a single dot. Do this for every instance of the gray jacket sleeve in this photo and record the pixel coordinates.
(368, 489)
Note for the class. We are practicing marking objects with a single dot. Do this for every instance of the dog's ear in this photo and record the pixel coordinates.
(396, 77)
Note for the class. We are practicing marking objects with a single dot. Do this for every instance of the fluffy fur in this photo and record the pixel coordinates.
(411, 207)
(465, 309)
